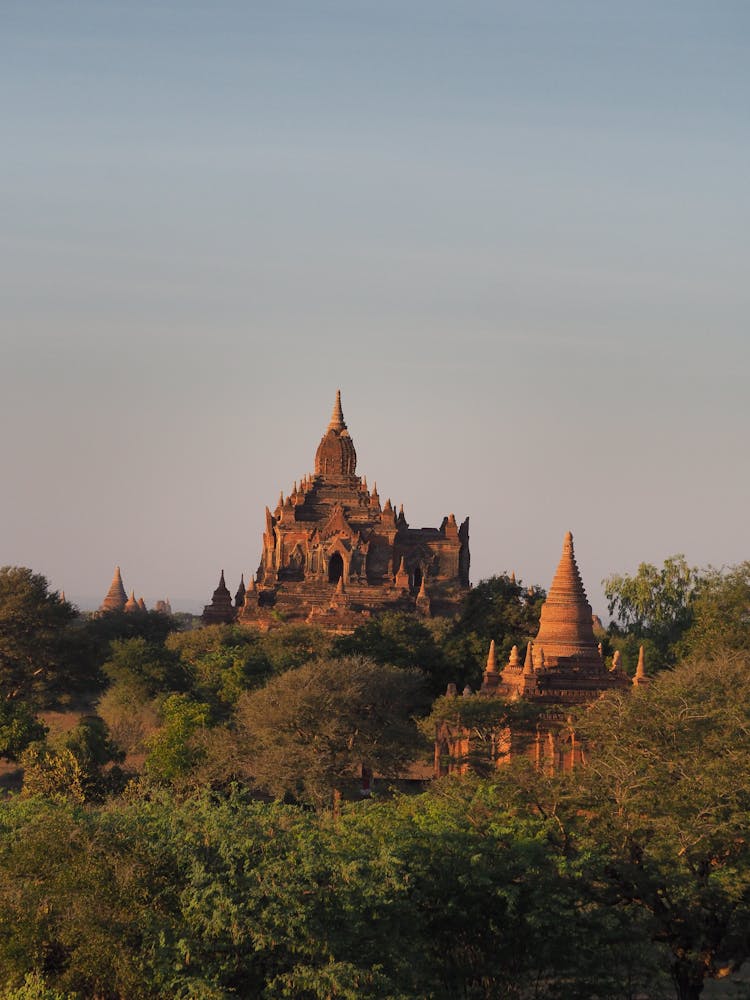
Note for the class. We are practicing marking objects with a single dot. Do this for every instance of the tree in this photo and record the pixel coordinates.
(18, 728)
(499, 608)
(73, 767)
(308, 731)
(173, 750)
(33, 624)
(654, 603)
(401, 640)
(142, 669)
(720, 612)
(666, 790)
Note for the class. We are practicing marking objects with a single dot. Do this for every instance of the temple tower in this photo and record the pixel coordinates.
(116, 598)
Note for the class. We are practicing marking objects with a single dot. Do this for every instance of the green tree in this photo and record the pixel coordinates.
(655, 604)
(74, 766)
(308, 731)
(720, 612)
(666, 790)
(499, 608)
(141, 669)
(401, 640)
(33, 623)
(174, 750)
(18, 728)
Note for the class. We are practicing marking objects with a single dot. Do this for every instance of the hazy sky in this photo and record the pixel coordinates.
(516, 236)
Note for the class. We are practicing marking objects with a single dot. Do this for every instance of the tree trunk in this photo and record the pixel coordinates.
(688, 978)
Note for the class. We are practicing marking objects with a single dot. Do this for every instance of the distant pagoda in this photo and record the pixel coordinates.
(331, 528)
(116, 598)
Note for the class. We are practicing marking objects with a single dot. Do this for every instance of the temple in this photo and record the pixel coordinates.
(333, 555)
(563, 666)
(116, 600)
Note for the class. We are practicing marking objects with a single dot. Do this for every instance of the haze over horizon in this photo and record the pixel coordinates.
(514, 234)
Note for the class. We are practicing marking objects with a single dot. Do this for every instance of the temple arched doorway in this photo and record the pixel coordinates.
(335, 568)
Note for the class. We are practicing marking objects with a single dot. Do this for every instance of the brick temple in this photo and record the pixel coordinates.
(563, 667)
(116, 600)
(333, 555)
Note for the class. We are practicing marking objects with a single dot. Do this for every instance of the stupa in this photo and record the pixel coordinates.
(563, 667)
(116, 598)
(565, 655)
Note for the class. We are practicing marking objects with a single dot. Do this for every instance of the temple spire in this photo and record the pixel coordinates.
(491, 667)
(337, 422)
(116, 597)
(640, 670)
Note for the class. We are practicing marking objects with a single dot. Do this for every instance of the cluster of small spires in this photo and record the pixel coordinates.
(530, 668)
(117, 599)
(371, 498)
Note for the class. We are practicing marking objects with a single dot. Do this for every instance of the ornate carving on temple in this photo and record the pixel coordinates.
(332, 528)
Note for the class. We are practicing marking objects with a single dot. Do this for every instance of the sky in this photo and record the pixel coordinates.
(516, 235)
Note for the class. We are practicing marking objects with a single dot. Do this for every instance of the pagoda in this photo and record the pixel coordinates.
(562, 667)
(116, 598)
(564, 663)
(333, 555)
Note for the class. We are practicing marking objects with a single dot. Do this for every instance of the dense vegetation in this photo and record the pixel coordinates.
(180, 840)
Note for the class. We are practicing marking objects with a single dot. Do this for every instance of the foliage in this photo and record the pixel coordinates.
(173, 751)
(667, 790)
(53, 773)
(34, 988)
(129, 723)
(400, 640)
(498, 608)
(225, 660)
(501, 608)
(654, 603)
(308, 730)
(33, 624)
(720, 612)
(74, 767)
(103, 629)
(18, 728)
(141, 669)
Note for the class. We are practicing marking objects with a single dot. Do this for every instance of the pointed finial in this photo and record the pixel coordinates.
(221, 580)
(423, 588)
(512, 576)
(616, 660)
(491, 667)
(514, 660)
(528, 664)
(640, 670)
(337, 417)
